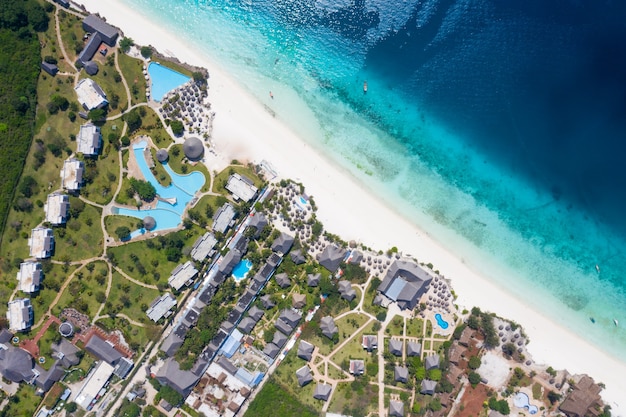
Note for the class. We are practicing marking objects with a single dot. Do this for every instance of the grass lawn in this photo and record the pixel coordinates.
(125, 158)
(152, 257)
(347, 325)
(54, 277)
(176, 67)
(222, 177)
(353, 349)
(113, 222)
(24, 403)
(122, 197)
(105, 79)
(51, 335)
(50, 47)
(274, 400)
(415, 327)
(183, 167)
(71, 34)
(137, 337)
(132, 71)
(158, 171)
(395, 327)
(85, 292)
(81, 238)
(352, 396)
(206, 207)
(151, 126)
(140, 297)
(336, 373)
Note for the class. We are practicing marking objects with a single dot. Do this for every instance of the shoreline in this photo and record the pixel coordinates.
(345, 206)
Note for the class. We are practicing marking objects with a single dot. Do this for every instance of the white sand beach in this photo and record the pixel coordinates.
(246, 131)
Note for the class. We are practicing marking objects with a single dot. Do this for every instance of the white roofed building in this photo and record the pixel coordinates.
(90, 95)
(29, 276)
(41, 243)
(20, 315)
(57, 208)
(89, 139)
(241, 187)
(95, 381)
(203, 247)
(182, 275)
(72, 174)
(224, 218)
(161, 307)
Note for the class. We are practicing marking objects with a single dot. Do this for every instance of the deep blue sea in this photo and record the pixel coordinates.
(499, 127)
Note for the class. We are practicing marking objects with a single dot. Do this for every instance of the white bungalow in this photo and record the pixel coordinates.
(89, 139)
(57, 208)
(29, 276)
(90, 95)
(72, 174)
(41, 243)
(20, 314)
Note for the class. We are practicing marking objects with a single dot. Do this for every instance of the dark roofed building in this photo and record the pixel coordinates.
(322, 391)
(267, 302)
(51, 69)
(466, 336)
(396, 409)
(90, 49)
(279, 339)
(404, 283)
(356, 257)
(229, 261)
(193, 149)
(93, 23)
(66, 353)
(103, 350)
(207, 295)
(305, 350)
(91, 67)
(258, 221)
(583, 400)
(182, 381)
(191, 317)
(428, 387)
(328, 327)
(271, 350)
(246, 325)
(413, 349)
(401, 374)
(313, 280)
(395, 347)
(16, 364)
(46, 379)
(304, 375)
(282, 280)
(297, 257)
(345, 289)
(282, 243)
(290, 317)
(255, 313)
(283, 327)
(172, 343)
(369, 342)
(123, 368)
(162, 155)
(431, 362)
(331, 257)
(5, 336)
(227, 365)
(299, 300)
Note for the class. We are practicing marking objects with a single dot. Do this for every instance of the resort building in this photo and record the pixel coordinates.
(174, 340)
(357, 367)
(89, 139)
(305, 350)
(313, 280)
(72, 174)
(428, 387)
(413, 349)
(298, 257)
(259, 222)
(283, 243)
(193, 149)
(395, 347)
(401, 374)
(161, 307)
(299, 300)
(41, 243)
(369, 342)
(282, 280)
(241, 187)
(396, 409)
(51, 69)
(93, 24)
(20, 314)
(94, 383)
(345, 289)
(29, 276)
(90, 95)
(182, 381)
(331, 257)
(57, 208)
(304, 375)
(16, 364)
(224, 218)
(322, 391)
(404, 283)
(328, 327)
(182, 275)
(584, 399)
(431, 362)
(204, 247)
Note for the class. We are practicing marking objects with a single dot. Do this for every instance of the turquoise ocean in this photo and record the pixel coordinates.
(497, 127)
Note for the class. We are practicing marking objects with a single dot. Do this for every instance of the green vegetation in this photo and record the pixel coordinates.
(126, 43)
(177, 127)
(176, 163)
(274, 400)
(132, 299)
(82, 291)
(81, 237)
(501, 406)
(23, 403)
(132, 70)
(144, 189)
(19, 70)
(112, 223)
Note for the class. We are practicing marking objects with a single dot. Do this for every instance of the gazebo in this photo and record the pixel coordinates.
(162, 155)
(149, 223)
(193, 148)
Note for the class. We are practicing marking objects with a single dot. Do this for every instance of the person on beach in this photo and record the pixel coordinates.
(271, 95)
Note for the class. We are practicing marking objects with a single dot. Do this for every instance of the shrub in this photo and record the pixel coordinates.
(125, 44)
(146, 51)
(177, 127)
(122, 232)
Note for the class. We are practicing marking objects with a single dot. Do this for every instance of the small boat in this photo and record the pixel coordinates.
(364, 87)
(615, 322)
(597, 268)
(592, 319)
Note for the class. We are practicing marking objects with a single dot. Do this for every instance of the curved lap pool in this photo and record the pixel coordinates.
(521, 400)
(441, 322)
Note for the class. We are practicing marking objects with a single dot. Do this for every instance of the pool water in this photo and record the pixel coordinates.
(521, 400)
(441, 322)
(180, 192)
(241, 269)
(164, 80)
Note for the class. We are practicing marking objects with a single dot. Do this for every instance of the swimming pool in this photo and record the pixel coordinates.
(163, 80)
(441, 322)
(168, 214)
(521, 400)
(241, 269)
